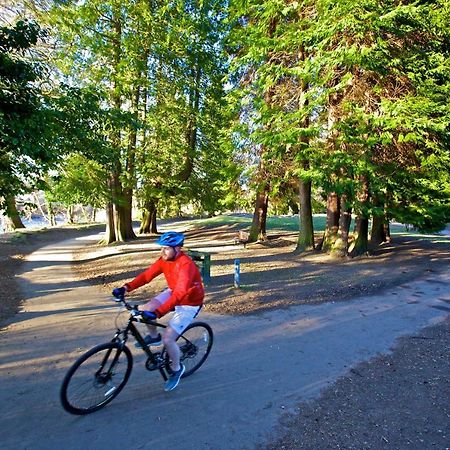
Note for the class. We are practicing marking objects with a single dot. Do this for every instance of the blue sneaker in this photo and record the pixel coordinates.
(174, 379)
(150, 341)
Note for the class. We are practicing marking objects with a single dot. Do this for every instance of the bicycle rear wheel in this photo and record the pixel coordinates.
(195, 344)
(96, 378)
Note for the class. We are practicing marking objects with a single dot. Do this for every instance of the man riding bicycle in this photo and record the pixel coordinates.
(184, 295)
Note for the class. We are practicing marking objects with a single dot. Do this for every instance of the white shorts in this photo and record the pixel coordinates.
(183, 315)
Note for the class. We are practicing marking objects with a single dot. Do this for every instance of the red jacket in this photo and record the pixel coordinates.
(183, 279)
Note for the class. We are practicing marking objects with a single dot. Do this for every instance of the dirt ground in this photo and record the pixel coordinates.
(272, 275)
(394, 401)
(399, 401)
(13, 249)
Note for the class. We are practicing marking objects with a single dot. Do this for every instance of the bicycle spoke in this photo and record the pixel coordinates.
(195, 344)
(96, 378)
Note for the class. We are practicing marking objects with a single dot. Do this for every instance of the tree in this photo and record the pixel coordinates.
(272, 61)
(79, 181)
(381, 51)
(185, 110)
(252, 43)
(94, 54)
(363, 109)
(161, 64)
(25, 124)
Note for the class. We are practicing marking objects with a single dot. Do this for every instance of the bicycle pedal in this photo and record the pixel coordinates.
(153, 365)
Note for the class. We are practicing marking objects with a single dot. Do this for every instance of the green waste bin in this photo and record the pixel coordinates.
(203, 261)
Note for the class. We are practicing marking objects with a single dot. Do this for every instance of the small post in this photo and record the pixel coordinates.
(237, 273)
(206, 268)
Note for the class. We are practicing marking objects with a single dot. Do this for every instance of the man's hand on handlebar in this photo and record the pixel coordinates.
(119, 293)
(146, 315)
(150, 315)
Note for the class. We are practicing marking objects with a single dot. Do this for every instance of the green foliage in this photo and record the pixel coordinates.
(25, 149)
(187, 115)
(359, 89)
(38, 127)
(82, 121)
(159, 70)
(344, 94)
(80, 181)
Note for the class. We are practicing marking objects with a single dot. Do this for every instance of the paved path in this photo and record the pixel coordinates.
(260, 366)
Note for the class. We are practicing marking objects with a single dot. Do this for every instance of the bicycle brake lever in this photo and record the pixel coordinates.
(135, 312)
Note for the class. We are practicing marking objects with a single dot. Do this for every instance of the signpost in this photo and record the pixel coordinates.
(237, 273)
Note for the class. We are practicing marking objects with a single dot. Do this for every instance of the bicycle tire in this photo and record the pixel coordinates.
(195, 345)
(87, 387)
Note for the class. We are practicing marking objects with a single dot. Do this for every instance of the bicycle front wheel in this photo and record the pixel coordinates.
(96, 378)
(195, 344)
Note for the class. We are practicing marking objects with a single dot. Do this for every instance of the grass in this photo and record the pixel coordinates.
(239, 221)
(285, 223)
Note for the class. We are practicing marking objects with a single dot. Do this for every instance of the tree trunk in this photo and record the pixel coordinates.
(340, 246)
(191, 127)
(118, 214)
(148, 223)
(127, 214)
(70, 214)
(258, 230)
(332, 226)
(378, 232)
(121, 212)
(306, 232)
(12, 218)
(144, 228)
(387, 231)
(122, 222)
(361, 243)
(119, 224)
(110, 235)
(130, 170)
(51, 213)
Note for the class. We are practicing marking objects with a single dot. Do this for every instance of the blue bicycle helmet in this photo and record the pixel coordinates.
(171, 239)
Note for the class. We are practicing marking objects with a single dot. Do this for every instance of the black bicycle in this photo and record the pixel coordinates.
(98, 376)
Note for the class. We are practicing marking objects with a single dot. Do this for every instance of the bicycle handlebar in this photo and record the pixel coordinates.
(146, 315)
(121, 299)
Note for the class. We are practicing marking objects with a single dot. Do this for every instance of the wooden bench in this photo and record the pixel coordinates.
(243, 237)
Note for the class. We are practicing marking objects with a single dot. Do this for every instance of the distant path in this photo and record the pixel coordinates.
(260, 367)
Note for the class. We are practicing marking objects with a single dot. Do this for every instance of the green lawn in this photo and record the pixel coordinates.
(283, 223)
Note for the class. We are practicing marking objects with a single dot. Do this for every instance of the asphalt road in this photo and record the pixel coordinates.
(260, 366)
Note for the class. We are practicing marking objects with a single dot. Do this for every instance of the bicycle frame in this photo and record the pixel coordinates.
(131, 328)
